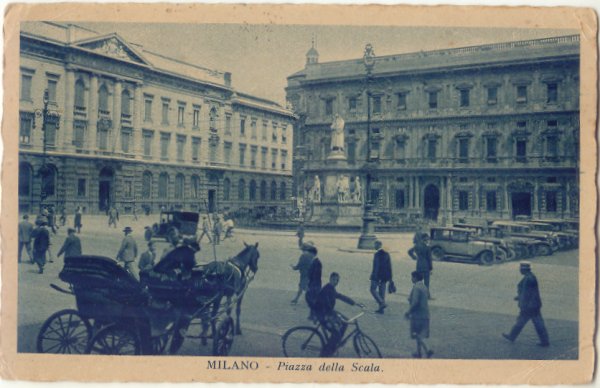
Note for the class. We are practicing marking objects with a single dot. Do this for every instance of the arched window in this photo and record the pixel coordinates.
(163, 185)
(147, 185)
(263, 191)
(242, 190)
(273, 191)
(226, 189)
(282, 193)
(103, 99)
(179, 185)
(125, 103)
(79, 94)
(252, 190)
(48, 174)
(25, 177)
(195, 187)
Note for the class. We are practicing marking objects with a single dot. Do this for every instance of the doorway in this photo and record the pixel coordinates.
(431, 202)
(212, 205)
(105, 189)
(521, 204)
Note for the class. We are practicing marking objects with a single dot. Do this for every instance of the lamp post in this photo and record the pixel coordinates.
(54, 118)
(367, 235)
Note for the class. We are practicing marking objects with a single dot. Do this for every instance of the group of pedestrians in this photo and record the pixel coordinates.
(220, 226)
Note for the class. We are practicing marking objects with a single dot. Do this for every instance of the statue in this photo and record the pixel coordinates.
(343, 189)
(316, 190)
(357, 193)
(337, 134)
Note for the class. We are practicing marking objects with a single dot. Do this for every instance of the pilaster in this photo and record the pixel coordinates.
(116, 135)
(92, 140)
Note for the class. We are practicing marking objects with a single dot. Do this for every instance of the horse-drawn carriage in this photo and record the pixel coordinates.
(117, 314)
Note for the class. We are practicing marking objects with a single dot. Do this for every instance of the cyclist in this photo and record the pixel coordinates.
(330, 319)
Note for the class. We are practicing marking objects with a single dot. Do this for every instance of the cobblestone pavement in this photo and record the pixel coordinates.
(473, 304)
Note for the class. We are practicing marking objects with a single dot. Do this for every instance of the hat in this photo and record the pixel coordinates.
(70, 230)
(525, 265)
(41, 220)
(309, 246)
(127, 229)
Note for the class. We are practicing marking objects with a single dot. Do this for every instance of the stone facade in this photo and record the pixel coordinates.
(139, 129)
(477, 132)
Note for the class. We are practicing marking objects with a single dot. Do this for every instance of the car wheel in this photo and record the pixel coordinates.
(544, 250)
(486, 258)
(502, 255)
(437, 253)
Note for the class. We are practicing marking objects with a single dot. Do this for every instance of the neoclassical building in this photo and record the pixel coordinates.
(487, 131)
(128, 126)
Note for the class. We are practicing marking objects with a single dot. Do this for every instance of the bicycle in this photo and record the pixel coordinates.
(308, 341)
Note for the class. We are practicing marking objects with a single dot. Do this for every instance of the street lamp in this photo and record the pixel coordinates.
(367, 235)
(48, 117)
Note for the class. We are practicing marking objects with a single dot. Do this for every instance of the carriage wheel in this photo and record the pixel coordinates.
(223, 337)
(116, 339)
(64, 332)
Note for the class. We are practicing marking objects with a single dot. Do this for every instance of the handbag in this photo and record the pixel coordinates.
(391, 287)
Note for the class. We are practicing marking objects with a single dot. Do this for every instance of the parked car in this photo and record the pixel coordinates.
(565, 240)
(545, 244)
(570, 227)
(185, 222)
(509, 248)
(461, 244)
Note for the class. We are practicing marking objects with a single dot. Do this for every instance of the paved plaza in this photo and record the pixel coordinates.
(473, 304)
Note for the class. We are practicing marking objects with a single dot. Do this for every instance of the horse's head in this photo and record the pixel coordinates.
(250, 256)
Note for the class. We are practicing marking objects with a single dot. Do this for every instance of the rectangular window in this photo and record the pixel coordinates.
(181, 147)
(492, 95)
(399, 200)
(401, 101)
(195, 149)
(352, 104)
(148, 110)
(79, 134)
(284, 135)
(463, 150)
(263, 160)
(329, 106)
(283, 159)
(165, 112)
(102, 136)
(243, 127)
(128, 189)
(52, 90)
(242, 154)
(253, 151)
(491, 149)
(522, 94)
(521, 124)
(465, 98)
(148, 135)
(196, 117)
(463, 200)
(490, 201)
(26, 87)
(164, 145)
(227, 124)
(125, 139)
(81, 187)
(377, 104)
(431, 149)
(180, 115)
(552, 146)
(264, 130)
(433, 100)
(351, 152)
(521, 150)
(227, 152)
(552, 92)
(274, 134)
(26, 122)
(212, 153)
(273, 159)
(551, 202)
(253, 129)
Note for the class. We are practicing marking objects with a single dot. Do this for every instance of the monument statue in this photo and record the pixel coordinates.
(343, 189)
(337, 134)
(356, 194)
(316, 190)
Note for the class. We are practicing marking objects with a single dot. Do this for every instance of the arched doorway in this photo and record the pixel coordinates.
(106, 189)
(431, 202)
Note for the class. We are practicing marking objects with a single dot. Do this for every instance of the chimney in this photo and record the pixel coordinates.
(227, 78)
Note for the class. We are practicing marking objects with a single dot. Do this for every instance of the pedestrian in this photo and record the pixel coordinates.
(63, 215)
(72, 245)
(148, 258)
(421, 252)
(303, 266)
(228, 226)
(77, 219)
(41, 243)
(113, 216)
(205, 230)
(128, 251)
(51, 218)
(314, 280)
(218, 228)
(331, 320)
(380, 275)
(418, 314)
(134, 211)
(300, 234)
(530, 305)
(25, 232)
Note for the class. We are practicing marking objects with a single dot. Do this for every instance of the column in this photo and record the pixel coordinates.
(476, 199)
(535, 198)
(67, 127)
(92, 141)
(116, 127)
(568, 199)
(138, 106)
(450, 203)
(506, 199)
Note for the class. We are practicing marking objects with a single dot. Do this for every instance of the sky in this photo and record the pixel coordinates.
(261, 57)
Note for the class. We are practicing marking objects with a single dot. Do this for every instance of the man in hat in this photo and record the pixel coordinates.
(72, 245)
(128, 251)
(314, 280)
(148, 258)
(205, 230)
(421, 253)
(25, 232)
(113, 216)
(380, 275)
(41, 243)
(530, 305)
(303, 266)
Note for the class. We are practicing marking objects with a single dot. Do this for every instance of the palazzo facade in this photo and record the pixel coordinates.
(487, 131)
(130, 127)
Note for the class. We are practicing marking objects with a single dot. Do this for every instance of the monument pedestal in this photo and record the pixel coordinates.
(333, 213)
(367, 235)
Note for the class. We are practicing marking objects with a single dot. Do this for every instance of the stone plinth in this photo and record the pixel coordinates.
(331, 212)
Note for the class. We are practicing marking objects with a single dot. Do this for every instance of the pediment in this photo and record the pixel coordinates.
(113, 46)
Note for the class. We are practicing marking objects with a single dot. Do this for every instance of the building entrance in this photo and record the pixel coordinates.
(212, 206)
(521, 204)
(431, 202)
(105, 189)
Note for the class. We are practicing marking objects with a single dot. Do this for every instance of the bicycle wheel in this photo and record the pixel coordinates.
(115, 339)
(365, 347)
(302, 341)
(64, 332)
(223, 337)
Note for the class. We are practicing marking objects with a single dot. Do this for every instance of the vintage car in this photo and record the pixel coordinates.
(509, 248)
(462, 245)
(545, 244)
(569, 227)
(185, 222)
(565, 240)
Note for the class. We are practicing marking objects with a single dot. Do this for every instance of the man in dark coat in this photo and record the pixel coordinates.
(303, 266)
(25, 232)
(72, 245)
(314, 280)
(41, 243)
(128, 251)
(530, 305)
(421, 252)
(381, 275)
(77, 219)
